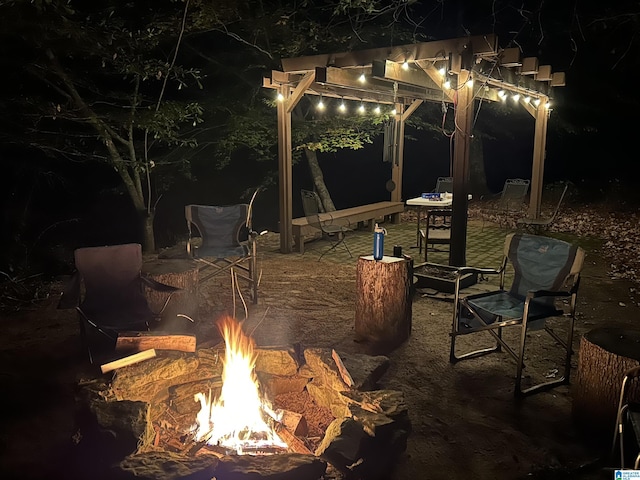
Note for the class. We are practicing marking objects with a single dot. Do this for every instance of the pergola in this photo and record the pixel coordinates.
(404, 77)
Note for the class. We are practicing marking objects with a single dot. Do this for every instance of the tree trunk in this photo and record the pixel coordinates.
(605, 355)
(177, 273)
(318, 180)
(477, 173)
(383, 302)
(148, 236)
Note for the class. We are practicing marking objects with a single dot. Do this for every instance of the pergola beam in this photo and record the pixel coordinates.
(481, 45)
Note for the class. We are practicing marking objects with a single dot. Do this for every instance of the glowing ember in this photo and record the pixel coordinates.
(237, 419)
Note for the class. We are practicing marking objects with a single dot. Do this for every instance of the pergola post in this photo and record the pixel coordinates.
(539, 152)
(461, 148)
(397, 159)
(285, 169)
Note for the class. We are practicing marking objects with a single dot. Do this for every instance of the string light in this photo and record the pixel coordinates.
(280, 97)
(362, 78)
(361, 108)
(320, 104)
(447, 83)
(442, 71)
(342, 107)
(405, 65)
(502, 94)
(377, 110)
(516, 97)
(470, 82)
(393, 112)
(536, 102)
(527, 99)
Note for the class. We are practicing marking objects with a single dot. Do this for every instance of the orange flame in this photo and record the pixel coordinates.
(236, 419)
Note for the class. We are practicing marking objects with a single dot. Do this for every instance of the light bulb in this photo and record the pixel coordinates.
(377, 110)
(361, 108)
(405, 65)
(527, 99)
(447, 84)
(280, 97)
(362, 78)
(320, 105)
(342, 107)
(442, 71)
(470, 82)
(393, 112)
(536, 102)
(547, 105)
(516, 97)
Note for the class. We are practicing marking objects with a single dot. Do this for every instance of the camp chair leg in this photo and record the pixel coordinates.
(339, 242)
(453, 358)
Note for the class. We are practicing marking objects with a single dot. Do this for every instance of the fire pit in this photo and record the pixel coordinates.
(441, 277)
(231, 412)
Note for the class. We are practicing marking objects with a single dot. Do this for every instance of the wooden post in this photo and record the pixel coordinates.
(177, 273)
(605, 355)
(383, 301)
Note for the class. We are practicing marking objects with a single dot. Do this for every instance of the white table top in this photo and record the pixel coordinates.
(430, 202)
(447, 201)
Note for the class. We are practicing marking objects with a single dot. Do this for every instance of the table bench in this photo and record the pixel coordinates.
(354, 215)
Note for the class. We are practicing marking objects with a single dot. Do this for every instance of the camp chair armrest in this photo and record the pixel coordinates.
(547, 293)
(158, 286)
(70, 297)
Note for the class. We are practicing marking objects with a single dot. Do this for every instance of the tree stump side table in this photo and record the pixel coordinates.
(383, 301)
(179, 273)
(605, 355)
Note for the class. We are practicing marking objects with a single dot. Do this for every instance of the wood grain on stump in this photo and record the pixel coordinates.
(383, 301)
(179, 273)
(605, 355)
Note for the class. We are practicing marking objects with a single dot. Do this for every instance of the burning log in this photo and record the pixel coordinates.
(138, 341)
(344, 373)
(294, 422)
(295, 444)
(130, 360)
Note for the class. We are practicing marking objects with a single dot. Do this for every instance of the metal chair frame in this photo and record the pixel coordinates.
(627, 413)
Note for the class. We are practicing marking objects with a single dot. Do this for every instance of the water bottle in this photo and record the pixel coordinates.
(378, 242)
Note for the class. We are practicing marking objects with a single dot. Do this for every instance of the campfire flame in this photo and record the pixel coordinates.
(238, 418)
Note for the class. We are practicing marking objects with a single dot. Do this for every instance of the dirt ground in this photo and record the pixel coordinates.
(466, 423)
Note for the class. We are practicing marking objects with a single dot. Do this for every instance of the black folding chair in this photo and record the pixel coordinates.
(107, 290)
(228, 244)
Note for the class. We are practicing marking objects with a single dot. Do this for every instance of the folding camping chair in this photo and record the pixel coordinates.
(331, 229)
(444, 184)
(107, 290)
(536, 225)
(229, 243)
(437, 229)
(545, 271)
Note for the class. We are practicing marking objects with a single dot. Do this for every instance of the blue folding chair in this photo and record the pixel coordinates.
(546, 277)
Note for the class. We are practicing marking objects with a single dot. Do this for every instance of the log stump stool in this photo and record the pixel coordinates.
(605, 355)
(179, 273)
(383, 302)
